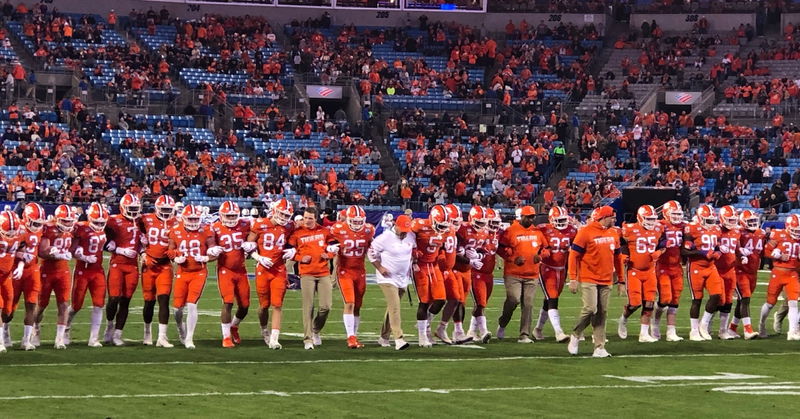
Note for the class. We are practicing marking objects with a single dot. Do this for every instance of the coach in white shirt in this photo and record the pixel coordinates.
(391, 254)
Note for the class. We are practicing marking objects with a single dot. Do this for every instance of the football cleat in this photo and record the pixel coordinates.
(7, 336)
(724, 335)
(622, 328)
(424, 342)
(274, 344)
(654, 331)
(646, 338)
(461, 338)
(695, 336)
(601, 353)
(486, 337)
(538, 334)
(235, 335)
(228, 343)
(36, 336)
(441, 334)
(561, 337)
(793, 335)
(147, 339)
(316, 339)
(308, 346)
(501, 332)
(27, 346)
(60, 344)
(117, 339)
(733, 333)
(353, 343)
(524, 339)
(704, 333)
(189, 344)
(750, 335)
(109, 333)
(95, 343)
(383, 342)
(762, 334)
(400, 345)
(673, 337)
(162, 342)
(572, 346)
(2, 348)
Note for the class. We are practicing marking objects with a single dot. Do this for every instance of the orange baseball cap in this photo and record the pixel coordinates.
(403, 223)
(603, 212)
(527, 210)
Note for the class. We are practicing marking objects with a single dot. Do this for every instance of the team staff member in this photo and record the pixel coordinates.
(522, 246)
(391, 253)
(312, 257)
(593, 259)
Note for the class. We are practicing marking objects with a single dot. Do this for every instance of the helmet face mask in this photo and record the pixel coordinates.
(191, 218)
(355, 217)
(673, 212)
(164, 213)
(280, 218)
(560, 223)
(649, 223)
(229, 214)
(65, 218)
(66, 224)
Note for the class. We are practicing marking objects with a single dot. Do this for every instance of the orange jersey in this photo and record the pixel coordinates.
(156, 231)
(29, 243)
(593, 254)
(641, 244)
(124, 233)
(449, 250)
(780, 239)
(469, 238)
(92, 242)
(729, 239)
(231, 240)
(753, 241)
(701, 238)
(60, 240)
(8, 250)
(559, 241)
(311, 242)
(673, 236)
(190, 244)
(490, 255)
(429, 242)
(520, 242)
(353, 245)
(271, 238)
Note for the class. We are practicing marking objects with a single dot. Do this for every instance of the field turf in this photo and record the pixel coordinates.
(502, 378)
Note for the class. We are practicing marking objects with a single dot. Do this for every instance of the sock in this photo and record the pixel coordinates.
(162, 330)
(723, 322)
(349, 324)
(226, 330)
(60, 329)
(671, 329)
(765, 309)
(275, 334)
(482, 324)
(644, 330)
(543, 315)
(442, 325)
(735, 321)
(265, 331)
(236, 321)
(26, 333)
(459, 329)
(422, 327)
(191, 321)
(793, 315)
(118, 333)
(695, 324)
(148, 329)
(707, 317)
(746, 321)
(179, 316)
(555, 320)
(623, 319)
(473, 324)
(356, 323)
(97, 320)
(70, 316)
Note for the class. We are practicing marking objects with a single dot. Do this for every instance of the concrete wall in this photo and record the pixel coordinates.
(685, 22)
(362, 17)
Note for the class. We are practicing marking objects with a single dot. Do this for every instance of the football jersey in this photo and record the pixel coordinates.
(190, 244)
(727, 261)
(469, 238)
(429, 242)
(8, 250)
(673, 238)
(781, 239)
(353, 245)
(490, 255)
(449, 250)
(231, 240)
(522, 242)
(270, 238)
(156, 231)
(60, 240)
(124, 233)
(701, 238)
(29, 243)
(92, 243)
(641, 244)
(311, 242)
(559, 241)
(754, 241)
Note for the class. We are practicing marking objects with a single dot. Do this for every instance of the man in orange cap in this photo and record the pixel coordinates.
(522, 246)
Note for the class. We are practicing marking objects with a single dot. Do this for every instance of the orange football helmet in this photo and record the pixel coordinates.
(34, 217)
(356, 217)
(229, 214)
(558, 217)
(494, 220)
(130, 206)
(793, 226)
(165, 207)
(672, 212)
(647, 217)
(478, 217)
(97, 216)
(282, 211)
(342, 215)
(728, 217)
(439, 219)
(706, 216)
(65, 217)
(454, 215)
(749, 220)
(10, 224)
(191, 216)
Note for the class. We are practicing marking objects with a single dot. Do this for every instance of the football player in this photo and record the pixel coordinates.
(230, 232)
(473, 239)
(157, 268)
(751, 246)
(55, 254)
(784, 249)
(26, 275)
(454, 293)
(87, 249)
(189, 246)
(10, 226)
(428, 278)
(642, 242)
(354, 236)
(701, 246)
(726, 264)
(559, 232)
(124, 242)
(670, 271)
(266, 243)
(482, 275)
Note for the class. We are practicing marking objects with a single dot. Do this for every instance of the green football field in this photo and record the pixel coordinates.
(501, 378)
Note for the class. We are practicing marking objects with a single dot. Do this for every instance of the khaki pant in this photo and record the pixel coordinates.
(595, 305)
(391, 321)
(323, 286)
(519, 291)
